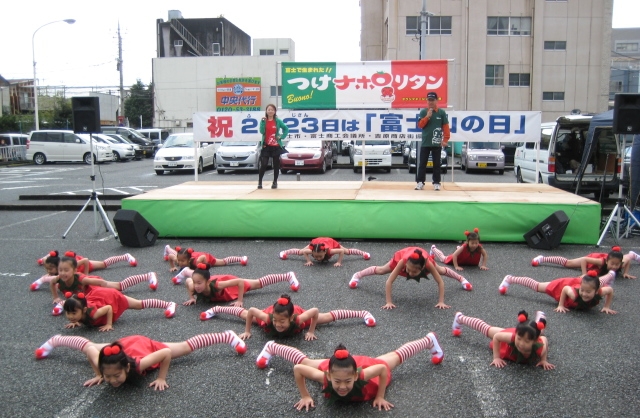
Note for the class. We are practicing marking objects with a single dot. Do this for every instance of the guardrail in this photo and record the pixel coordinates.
(13, 153)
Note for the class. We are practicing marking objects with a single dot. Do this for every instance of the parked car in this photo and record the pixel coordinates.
(482, 156)
(238, 155)
(562, 147)
(52, 146)
(412, 163)
(178, 154)
(136, 148)
(377, 154)
(148, 147)
(156, 135)
(509, 151)
(397, 147)
(121, 152)
(13, 147)
(307, 155)
(346, 145)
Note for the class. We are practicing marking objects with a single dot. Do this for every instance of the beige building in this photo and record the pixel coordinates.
(547, 55)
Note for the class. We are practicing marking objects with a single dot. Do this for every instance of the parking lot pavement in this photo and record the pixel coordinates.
(595, 354)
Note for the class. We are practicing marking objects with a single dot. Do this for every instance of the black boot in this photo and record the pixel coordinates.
(259, 185)
(274, 185)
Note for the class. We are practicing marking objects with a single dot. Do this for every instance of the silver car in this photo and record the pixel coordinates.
(238, 155)
(482, 156)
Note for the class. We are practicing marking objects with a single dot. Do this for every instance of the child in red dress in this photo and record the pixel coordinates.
(284, 319)
(117, 362)
(322, 249)
(345, 377)
(602, 262)
(468, 254)
(102, 306)
(50, 263)
(202, 286)
(522, 344)
(186, 260)
(410, 263)
(69, 280)
(581, 293)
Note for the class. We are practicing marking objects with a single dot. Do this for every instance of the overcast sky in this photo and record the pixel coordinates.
(85, 53)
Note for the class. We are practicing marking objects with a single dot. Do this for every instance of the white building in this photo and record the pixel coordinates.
(547, 55)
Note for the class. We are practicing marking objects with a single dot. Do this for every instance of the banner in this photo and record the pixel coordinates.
(466, 126)
(363, 85)
(237, 94)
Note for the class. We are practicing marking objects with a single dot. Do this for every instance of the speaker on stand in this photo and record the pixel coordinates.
(133, 229)
(86, 115)
(548, 233)
(626, 114)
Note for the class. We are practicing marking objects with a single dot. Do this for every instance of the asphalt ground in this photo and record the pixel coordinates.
(596, 373)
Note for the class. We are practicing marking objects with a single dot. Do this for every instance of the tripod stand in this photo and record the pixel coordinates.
(617, 211)
(96, 202)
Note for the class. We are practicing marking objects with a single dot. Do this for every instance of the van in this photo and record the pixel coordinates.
(13, 147)
(51, 146)
(377, 154)
(562, 147)
(148, 147)
(156, 135)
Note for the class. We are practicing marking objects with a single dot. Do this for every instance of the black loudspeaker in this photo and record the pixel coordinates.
(133, 229)
(86, 115)
(626, 114)
(548, 233)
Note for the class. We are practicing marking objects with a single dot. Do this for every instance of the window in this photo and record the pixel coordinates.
(553, 95)
(272, 91)
(504, 26)
(436, 25)
(555, 45)
(615, 86)
(284, 52)
(494, 75)
(626, 46)
(519, 80)
(267, 52)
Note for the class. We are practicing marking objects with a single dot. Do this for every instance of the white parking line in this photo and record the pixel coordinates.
(31, 220)
(488, 396)
(81, 403)
(24, 187)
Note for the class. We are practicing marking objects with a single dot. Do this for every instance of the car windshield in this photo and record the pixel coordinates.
(118, 139)
(238, 144)
(137, 134)
(484, 145)
(304, 144)
(179, 141)
(374, 142)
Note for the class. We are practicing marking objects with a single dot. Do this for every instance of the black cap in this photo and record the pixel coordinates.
(432, 95)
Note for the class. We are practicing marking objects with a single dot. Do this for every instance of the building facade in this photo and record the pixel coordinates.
(551, 56)
(625, 62)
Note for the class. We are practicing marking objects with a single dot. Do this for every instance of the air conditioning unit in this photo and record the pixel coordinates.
(177, 45)
(215, 49)
(178, 122)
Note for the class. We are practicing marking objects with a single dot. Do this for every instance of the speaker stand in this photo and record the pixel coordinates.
(96, 202)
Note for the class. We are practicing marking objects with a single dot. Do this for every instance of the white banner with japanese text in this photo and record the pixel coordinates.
(398, 125)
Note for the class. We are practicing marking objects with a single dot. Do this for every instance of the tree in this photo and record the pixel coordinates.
(139, 102)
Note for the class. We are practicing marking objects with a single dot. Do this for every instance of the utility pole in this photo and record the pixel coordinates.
(121, 112)
(424, 15)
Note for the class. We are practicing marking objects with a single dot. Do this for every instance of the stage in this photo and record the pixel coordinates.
(357, 210)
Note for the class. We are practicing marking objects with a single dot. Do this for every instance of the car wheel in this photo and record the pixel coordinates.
(388, 169)
(39, 158)
(87, 158)
(220, 171)
(283, 171)
(200, 166)
(412, 169)
(355, 169)
(443, 170)
(501, 172)
(519, 178)
(330, 166)
(323, 168)
(116, 156)
(466, 168)
(539, 178)
(159, 172)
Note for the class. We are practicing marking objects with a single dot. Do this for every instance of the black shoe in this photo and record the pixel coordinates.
(259, 186)
(274, 185)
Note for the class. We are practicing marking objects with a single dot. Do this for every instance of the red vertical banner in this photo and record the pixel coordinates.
(412, 80)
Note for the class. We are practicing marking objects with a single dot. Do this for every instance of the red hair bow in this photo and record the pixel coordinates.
(592, 273)
(190, 250)
(178, 248)
(202, 266)
(414, 256)
(283, 301)
(341, 354)
(522, 317)
(111, 350)
(322, 246)
(80, 295)
(540, 325)
(53, 253)
(466, 233)
(476, 230)
(69, 254)
(68, 294)
(311, 246)
(616, 248)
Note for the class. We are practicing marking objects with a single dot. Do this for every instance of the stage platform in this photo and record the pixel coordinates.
(357, 210)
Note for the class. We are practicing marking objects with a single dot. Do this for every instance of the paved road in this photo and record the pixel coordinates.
(595, 354)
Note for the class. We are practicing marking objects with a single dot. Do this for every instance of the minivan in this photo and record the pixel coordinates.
(148, 147)
(156, 135)
(377, 154)
(50, 146)
(11, 146)
(562, 145)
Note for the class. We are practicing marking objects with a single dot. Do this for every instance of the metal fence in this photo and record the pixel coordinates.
(13, 153)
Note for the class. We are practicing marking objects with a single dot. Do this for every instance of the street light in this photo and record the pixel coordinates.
(33, 51)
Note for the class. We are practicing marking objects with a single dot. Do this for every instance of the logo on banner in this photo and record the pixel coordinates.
(238, 94)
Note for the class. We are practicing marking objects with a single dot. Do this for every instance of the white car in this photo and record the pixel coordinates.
(178, 153)
(121, 151)
(482, 156)
(52, 146)
(238, 155)
(377, 154)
